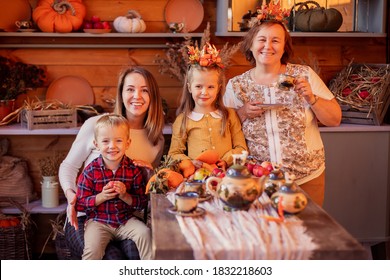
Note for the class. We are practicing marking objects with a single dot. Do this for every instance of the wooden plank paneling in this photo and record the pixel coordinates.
(38, 146)
(101, 66)
(152, 11)
(87, 56)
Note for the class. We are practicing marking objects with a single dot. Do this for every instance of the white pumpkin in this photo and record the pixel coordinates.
(130, 23)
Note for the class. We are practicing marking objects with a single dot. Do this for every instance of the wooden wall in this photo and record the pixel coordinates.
(100, 66)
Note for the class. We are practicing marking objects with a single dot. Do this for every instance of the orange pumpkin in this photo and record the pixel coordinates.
(209, 167)
(59, 16)
(208, 156)
(187, 168)
(9, 221)
(164, 180)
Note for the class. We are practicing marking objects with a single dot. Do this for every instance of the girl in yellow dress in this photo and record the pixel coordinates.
(203, 122)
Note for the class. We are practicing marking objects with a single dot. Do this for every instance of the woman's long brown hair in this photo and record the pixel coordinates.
(154, 121)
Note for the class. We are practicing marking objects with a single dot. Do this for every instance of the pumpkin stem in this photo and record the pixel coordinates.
(62, 7)
(133, 14)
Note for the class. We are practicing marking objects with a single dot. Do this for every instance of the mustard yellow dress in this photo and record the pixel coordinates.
(203, 132)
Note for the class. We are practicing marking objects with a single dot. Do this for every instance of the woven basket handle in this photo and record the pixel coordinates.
(307, 3)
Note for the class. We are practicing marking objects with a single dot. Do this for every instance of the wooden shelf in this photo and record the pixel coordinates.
(35, 207)
(315, 34)
(88, 40)
(90, 35)
(17, 129)
(369, 18)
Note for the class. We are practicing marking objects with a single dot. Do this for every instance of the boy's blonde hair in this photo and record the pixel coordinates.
(112, 120)
(187, 103)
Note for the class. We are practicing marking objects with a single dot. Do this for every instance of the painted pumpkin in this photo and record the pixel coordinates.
(130, 23)
(59, 16)
(9, 221)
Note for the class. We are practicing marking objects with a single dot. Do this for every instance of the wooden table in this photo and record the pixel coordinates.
(334, 242)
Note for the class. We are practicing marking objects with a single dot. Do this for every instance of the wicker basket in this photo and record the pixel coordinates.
(58, 235)
(363, 92)
(62, 249)
(15, 240)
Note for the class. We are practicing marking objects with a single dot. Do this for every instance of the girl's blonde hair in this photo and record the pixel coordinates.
(187, 103)
(111, 120)
(154, 121)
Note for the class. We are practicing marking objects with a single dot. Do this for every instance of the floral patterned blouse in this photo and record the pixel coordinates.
(288, 135)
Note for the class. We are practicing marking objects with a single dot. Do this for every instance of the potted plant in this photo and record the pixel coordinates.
(17, 78)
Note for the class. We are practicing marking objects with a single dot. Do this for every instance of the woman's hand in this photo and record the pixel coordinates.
(328, 112)
(71, 210)
(302, 87)
(250, 110)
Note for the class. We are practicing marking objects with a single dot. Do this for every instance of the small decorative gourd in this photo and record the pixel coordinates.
(59, 16)
(130, 23)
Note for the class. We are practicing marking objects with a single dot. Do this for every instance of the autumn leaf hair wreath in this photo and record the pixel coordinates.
(207, 57)
(270, 12)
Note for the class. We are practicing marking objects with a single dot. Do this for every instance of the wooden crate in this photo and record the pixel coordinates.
(372, 78)
(349, 115)
(43, 119)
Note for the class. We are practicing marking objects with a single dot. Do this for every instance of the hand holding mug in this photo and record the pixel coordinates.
(302, 87)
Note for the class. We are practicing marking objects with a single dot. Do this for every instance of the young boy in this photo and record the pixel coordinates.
(109, 189)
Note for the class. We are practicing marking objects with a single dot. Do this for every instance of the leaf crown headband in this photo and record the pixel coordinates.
(271, 12)
(207, 57)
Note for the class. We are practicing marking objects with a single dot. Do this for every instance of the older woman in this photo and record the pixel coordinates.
(287, 134)
(138, 99)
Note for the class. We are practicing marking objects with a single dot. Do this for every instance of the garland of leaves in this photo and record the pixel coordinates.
(175, 61)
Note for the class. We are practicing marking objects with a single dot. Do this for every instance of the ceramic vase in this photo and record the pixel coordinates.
(50, 191)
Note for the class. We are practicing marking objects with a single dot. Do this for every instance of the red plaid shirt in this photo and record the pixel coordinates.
(114, 212)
